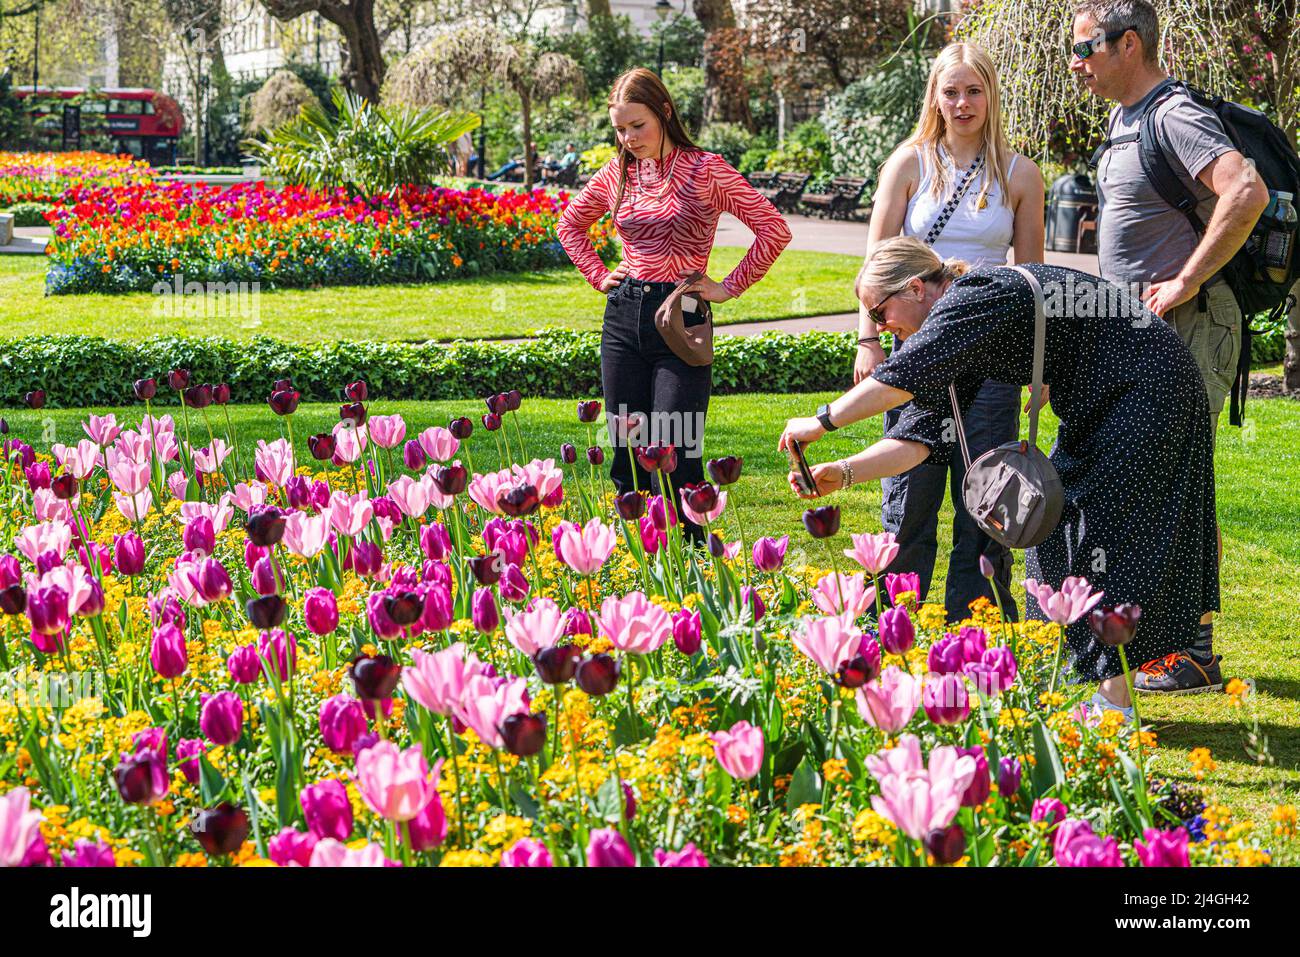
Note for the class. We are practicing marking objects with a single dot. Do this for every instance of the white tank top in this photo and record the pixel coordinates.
(982, 237)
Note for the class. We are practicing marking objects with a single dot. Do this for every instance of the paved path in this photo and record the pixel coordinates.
(28, 241)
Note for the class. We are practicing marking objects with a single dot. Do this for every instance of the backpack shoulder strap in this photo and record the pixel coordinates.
(1155, 162)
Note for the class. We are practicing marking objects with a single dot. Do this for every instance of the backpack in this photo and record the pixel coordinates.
(1263, 143)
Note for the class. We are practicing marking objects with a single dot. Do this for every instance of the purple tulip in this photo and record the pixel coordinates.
(435, 542)
(168, 654)
(320, 609)
(1163, 848)
(1008, 778)
(607, 848)
(1048, 811)
(198, 535)
(484, 611)
(946, 844)
(769, 553)
(89, 854)
(438, 607)
(686, 631)
(526, 852)
(896, 583)
(514, 586)
(897, 633)
(187, 757)
(327, 809)
(342, 722)
(265, 580)
(945, 699)
(428, 829)
(221, 830)
(279, 650)
(213, 580)
(688, 856)
(977, 792)
(222, 717)
(365, 558)
(944, 657)
(244, 665)
(750, 598)
(47, 607)
(413, 455)
(291, 846)
(128, 554)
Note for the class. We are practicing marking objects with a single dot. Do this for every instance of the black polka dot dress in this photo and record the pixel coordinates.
(1133, 450)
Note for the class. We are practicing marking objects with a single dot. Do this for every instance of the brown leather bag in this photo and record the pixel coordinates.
(692, 344)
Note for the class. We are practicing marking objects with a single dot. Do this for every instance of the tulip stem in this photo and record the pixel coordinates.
(455, 771)
(523, 451)
(577, 784)
(1056, 662)
(835, 570)
(1137, 716)
(830, 755)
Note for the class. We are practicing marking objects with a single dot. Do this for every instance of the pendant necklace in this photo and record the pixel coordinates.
(663, 180)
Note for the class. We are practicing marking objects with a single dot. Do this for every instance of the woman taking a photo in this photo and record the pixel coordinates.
(958, 186)
(1133, 450)
(666, 195)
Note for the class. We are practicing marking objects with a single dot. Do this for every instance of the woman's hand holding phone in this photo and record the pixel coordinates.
(805, 431)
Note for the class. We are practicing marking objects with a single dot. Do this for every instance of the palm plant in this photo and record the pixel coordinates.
(367, 149)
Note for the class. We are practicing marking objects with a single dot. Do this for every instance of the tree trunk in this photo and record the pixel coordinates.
(1291, 364)
(726, 98)
(598, 8)
(526, 112)
(363, 55)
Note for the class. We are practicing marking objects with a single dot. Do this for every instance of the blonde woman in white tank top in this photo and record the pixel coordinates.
(1000, 212)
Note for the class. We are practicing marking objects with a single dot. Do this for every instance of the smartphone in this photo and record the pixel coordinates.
(803, 475)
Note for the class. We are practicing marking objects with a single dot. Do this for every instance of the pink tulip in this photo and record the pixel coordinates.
(291, 848)
(1163, 848)
(873, 552)
(483, 489)
(858, 595)
(332, 853)
(349, 514)
(306, 534)
(1072, 602)
(19, 826)
(36, 540)
(1075, 845)
(102, 429)
(246, 496)
(608, 848)
(485, 703)
(740, 750)
(828, 641)
(78, 459)
(438, 443)
(700, 518)
(130, 478)
(634, 624)
(889, 702)
(327, 810)
(396, 784)
(688, 856)
(526, 852)
(542, 474)
(349, 442)
(273, 462)
(176, 484)
(917, 799)
(47, 507)
(388, 431)
(945, 699)
(1049, 811)
(208, 460)
(219, 515)
(539, 626)
(586, 549)
(411, 495)
(134, 507)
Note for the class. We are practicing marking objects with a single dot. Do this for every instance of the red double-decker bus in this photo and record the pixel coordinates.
(142, 122)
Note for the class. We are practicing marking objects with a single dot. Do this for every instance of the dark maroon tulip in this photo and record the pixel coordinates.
(702, 497)
(823, 521)
(946, 844)
(491, 421)
(221, 393)
(178, 379)
(588, 411)
(404, 607)
(717, 548)
(514, 399)
(1114, 625)
(322, 446)
(461, 427)
(524, 733)
(4, 427)
(598, 674)
(630, 505)
(854, 672)
(141, 778)
(145, 388)
(284, 402)
(374, 676)
(486, 568)
(726, 470)
(13, 600)
(64, 485)
(557, 664)
(35, 399)
(450, 479)
(596, 455)
(498, 404)
(282, 385)
(356, 391)
(266, 612)
(222, 829)
(568, 454)
(353, 412)
(197, 396)
(265, 527)
(413, 455)
(652, 458)
(519, 500)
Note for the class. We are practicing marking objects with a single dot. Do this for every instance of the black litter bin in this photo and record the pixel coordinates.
(1072, 214)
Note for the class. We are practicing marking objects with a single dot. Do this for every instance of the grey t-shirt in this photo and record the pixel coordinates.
(1140, 237)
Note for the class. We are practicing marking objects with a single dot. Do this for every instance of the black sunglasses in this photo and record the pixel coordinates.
(1086, 48)
(876, 313)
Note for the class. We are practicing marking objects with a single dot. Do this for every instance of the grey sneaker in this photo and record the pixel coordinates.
(1179, 673)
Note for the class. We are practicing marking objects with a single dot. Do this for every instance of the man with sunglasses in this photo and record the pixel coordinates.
(1143, 241)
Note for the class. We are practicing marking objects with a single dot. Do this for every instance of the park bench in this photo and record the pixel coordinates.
(840, 201)
(786, 190)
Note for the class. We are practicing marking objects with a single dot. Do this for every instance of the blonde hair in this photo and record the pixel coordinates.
(895, 262)
(931, 127)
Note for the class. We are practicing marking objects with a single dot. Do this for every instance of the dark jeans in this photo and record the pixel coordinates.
(910, 508)
(640, 374)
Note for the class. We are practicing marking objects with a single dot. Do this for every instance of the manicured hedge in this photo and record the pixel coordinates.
(94, 371)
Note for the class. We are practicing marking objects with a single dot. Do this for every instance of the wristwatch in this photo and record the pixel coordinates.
(824, 417)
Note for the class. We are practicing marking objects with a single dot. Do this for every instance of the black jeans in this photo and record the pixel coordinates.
(640, 374)
(910, 508)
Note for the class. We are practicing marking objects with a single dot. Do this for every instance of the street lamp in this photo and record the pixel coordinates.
(662, 9)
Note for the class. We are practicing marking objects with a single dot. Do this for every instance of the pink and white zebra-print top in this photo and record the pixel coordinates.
(667, 236)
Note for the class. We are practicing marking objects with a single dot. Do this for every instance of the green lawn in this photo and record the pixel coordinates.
(1259, 501)
(800, 284)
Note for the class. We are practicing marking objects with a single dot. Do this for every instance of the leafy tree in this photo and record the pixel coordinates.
(363, 56)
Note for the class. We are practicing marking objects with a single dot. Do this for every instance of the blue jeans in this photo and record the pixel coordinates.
(910, 509)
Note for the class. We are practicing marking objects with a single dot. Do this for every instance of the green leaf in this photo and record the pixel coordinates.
(212, 785)
(1048, 775)
(527, 805)
(805, 786)
(628, 728)
(608, 799)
